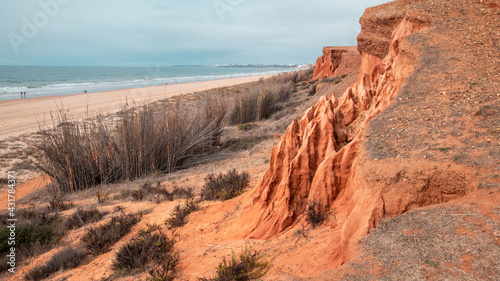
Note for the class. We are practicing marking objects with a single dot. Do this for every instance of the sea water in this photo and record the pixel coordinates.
(65, 80)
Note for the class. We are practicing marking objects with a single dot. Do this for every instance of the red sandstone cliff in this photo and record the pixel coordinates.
(336, 61)
(321, 157)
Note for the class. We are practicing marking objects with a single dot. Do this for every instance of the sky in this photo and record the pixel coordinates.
(163, 32)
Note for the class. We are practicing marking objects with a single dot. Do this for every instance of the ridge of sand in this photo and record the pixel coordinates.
(22, 116)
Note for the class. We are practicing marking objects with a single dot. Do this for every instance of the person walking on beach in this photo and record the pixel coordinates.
(21, 94)
(24, 94)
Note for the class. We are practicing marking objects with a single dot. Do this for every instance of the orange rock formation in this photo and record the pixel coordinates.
(336, 61)
(321, 157)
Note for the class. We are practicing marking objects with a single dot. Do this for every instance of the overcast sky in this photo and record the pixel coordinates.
(163, 32)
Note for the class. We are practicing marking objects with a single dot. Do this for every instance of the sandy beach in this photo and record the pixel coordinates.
(22, 116)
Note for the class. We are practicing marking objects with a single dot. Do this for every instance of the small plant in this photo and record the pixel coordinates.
(244, 127)
(98, 240)
(179, 216)
(224, 186)
(316, 213)
(82, 217)
(149, 249)
(301, 232)
(459, 157)
(65, 259)
(102, 197)
(444, 149)
(250, 266)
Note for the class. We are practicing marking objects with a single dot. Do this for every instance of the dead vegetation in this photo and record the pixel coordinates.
(154, 138)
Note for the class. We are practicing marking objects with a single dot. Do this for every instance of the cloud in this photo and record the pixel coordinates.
(196, 32)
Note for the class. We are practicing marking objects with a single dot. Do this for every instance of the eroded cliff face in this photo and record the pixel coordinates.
(321, 157)
(336, 61)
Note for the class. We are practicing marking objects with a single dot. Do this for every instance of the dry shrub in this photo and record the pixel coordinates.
(317, 213)
(82, 217)
(263, 98)
(224, 186)
(65, 259)
(151, 248)
(179, 216)
(250, 266)
(143, 141)
(98, 240)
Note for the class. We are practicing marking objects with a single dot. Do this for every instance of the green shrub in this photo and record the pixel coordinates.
(250, 266)
(65, 259)
(33, 236)
(179, 216)
(151, 248)
(224, 186)
(98, 240)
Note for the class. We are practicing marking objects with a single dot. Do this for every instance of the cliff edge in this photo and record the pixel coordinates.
(416, 129)
(336, 61)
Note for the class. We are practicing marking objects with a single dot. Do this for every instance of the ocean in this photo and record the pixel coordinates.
(64, 80)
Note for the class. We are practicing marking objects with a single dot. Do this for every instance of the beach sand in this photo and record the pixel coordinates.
(23, 116)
